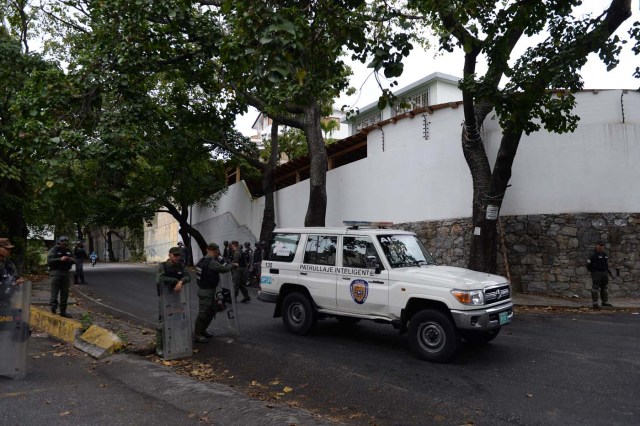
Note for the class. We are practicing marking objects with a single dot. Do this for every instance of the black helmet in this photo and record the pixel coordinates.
(63, 239)
(247, 244)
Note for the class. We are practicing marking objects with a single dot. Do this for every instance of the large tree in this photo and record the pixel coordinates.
(527, 102)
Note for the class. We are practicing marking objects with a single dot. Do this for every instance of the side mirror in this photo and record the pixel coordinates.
(378, 268)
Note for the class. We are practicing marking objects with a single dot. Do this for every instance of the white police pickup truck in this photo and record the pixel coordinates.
(367, 271)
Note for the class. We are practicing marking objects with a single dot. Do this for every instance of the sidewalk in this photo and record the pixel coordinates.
(537, 300)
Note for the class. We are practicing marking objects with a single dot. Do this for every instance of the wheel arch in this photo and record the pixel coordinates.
(416, 304)
(286, 289)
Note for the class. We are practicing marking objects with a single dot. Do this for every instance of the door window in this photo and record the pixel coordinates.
(321, 250)
(359, 252)
(283, 247)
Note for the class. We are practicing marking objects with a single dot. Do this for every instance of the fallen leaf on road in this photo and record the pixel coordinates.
(65, 413)
(274, 383)
(59, 354)
(529, 395)
(287, 389)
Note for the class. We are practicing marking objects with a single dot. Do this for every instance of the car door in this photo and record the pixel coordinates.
(360, 289)
(317, 270)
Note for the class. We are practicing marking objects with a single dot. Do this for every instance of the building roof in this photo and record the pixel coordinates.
(436, 76)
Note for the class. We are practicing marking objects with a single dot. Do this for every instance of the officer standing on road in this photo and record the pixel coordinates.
(208, 272)
(81, 254)
(171, 273)
(226, 252)
(239, 277)
(60, 260)
(598, 265)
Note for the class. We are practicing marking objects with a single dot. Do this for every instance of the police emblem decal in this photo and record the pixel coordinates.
(359, 290)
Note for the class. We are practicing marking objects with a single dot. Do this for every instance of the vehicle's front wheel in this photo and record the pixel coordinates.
(298, 314)
(432, 336)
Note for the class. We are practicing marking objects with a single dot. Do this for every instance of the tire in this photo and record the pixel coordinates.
(480, 338)
(298, 314)
(347, 320)
(433, 337)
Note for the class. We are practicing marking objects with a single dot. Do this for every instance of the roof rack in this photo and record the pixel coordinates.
(356, 224)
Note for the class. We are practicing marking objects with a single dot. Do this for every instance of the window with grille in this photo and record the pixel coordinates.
(416, 101)
(368, 120)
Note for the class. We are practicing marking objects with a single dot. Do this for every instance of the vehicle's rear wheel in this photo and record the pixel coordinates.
(432, 336)
(479, 338)
(298, 314)
(347, 320)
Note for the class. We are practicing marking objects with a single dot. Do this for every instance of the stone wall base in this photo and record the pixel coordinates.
(547, 253)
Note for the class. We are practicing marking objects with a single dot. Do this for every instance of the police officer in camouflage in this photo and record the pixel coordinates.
(208, 272)
(60, 260)
(170, 273)
(598, 265)
(239, 274)
(9, 277)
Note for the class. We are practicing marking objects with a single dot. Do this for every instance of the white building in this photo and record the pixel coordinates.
(407, 167)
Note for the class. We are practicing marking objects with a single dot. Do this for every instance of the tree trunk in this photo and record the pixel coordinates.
(488, 200)
(187, 244)
(186, 229)
(268, 187)
(112, 257)
(317, 208)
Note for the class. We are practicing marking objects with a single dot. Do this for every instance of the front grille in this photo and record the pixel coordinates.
(497, 294)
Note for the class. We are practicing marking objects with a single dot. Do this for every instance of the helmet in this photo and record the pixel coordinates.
(247, 244)
(63, 239)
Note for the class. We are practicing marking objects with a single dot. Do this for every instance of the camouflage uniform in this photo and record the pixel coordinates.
(598, 265)
(239, 274)
(207, 295)
(59, 273)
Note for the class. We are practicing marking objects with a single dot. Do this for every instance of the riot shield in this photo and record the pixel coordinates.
(14, 328)
(226, 283)
(177, 330)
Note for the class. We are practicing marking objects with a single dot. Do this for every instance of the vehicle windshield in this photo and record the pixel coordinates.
(404, 250)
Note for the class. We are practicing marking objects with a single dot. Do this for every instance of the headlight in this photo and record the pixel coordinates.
(469, 297)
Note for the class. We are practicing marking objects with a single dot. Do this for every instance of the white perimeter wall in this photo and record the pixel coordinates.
(593, 169)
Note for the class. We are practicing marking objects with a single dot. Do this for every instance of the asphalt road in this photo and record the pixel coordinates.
(545, 368)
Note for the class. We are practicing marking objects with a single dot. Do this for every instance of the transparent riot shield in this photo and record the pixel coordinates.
(176, 314)
(14, 327)
(230, 314)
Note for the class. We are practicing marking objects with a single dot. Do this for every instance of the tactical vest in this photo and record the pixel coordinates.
(176, 273)
(205, 277)
(61, 266)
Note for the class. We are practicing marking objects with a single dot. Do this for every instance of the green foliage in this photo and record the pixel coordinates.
(491, 29)
(86, 320)
(35, 257)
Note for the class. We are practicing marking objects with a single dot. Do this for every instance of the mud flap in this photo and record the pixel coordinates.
(230, 314)
(177, 330)
(14, 328)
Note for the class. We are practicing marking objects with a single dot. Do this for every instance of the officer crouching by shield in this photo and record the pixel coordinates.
(171, 278)
(14, 315)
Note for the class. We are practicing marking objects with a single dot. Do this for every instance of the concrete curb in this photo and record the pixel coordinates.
(95, 341)
(57, 326)
(98, 342)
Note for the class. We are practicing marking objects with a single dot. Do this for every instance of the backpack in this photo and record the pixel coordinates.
(205, 277)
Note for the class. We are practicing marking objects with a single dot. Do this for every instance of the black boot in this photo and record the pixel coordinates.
(65, 314)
